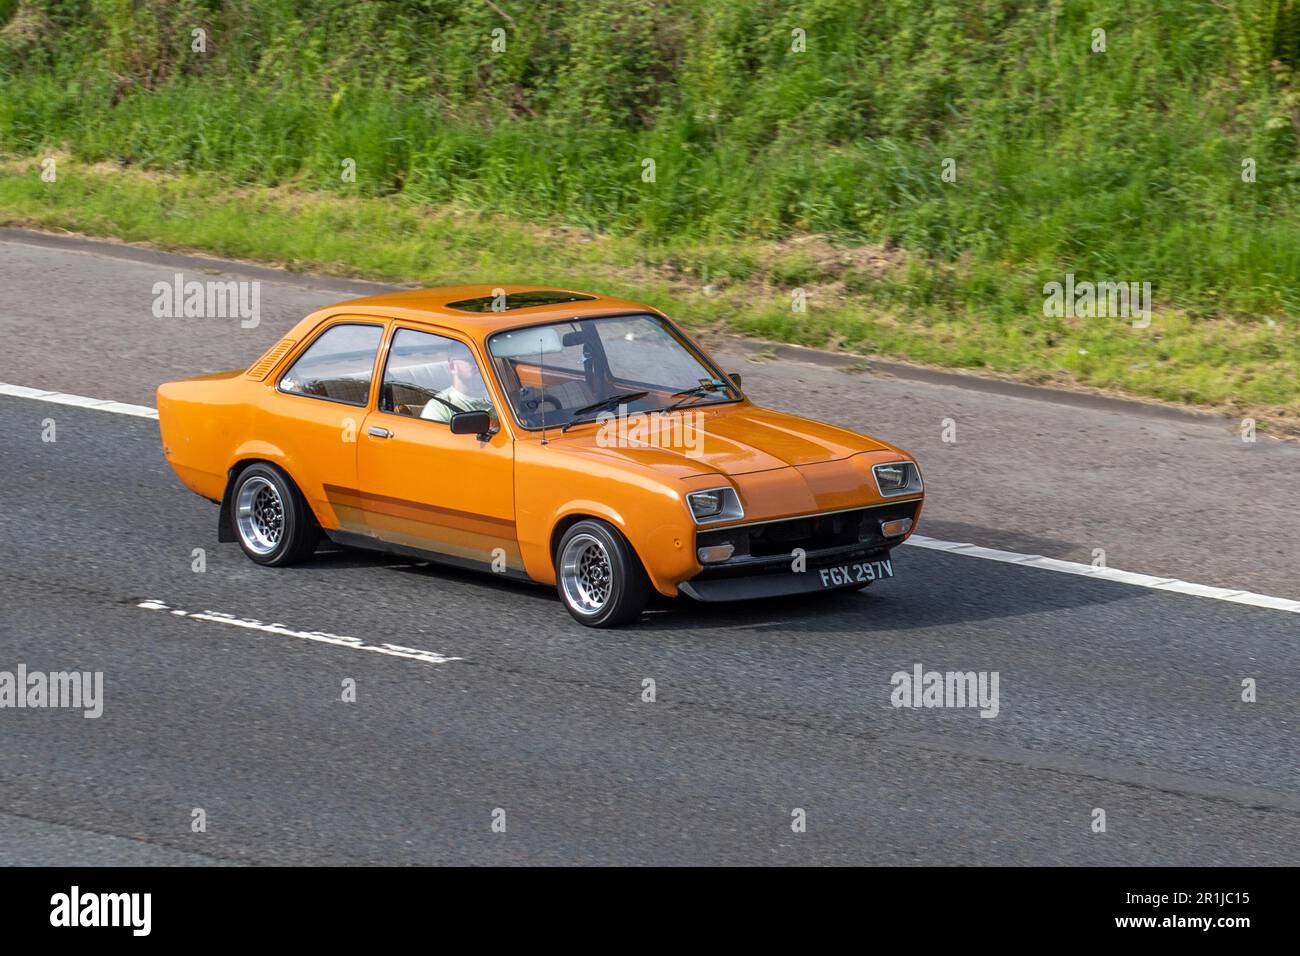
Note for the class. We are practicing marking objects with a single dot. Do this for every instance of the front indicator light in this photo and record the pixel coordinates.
(714, 553)
(896, 528)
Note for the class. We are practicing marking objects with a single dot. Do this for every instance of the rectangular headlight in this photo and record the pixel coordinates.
(715, 504)
(897, 478)
(706, 504)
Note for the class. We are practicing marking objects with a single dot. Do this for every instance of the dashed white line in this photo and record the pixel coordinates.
(320, 637)
(934, 544)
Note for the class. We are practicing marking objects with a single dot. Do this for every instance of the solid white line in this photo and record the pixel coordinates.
(919, 541)
(81, 401)
(1107, 574)
(322, 637)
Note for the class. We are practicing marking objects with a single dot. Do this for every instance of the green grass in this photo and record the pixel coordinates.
(527, 163)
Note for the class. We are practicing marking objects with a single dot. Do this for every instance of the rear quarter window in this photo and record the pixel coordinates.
(337, 366)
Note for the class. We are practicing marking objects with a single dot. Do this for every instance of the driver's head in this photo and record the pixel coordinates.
(465, 376)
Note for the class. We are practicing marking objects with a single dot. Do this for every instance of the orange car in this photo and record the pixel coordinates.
(547, 435)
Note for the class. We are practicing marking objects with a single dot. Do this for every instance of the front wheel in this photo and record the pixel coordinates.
(599, 577)
(271, 519)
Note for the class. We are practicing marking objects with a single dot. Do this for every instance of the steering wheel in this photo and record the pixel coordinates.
(530, 398)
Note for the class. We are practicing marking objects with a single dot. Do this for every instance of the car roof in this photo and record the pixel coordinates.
(439, 307)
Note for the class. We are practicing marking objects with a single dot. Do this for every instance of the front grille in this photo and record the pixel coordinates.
(813, 533)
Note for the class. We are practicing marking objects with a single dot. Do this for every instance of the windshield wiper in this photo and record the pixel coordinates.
(616, 399)
(704, 388)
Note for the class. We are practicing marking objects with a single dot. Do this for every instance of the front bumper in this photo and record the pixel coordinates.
(767, 552)
(775, 581)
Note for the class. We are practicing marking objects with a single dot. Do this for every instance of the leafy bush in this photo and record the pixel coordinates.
(1124, 164)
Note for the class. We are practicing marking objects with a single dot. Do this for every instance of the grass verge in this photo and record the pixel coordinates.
(863, 300)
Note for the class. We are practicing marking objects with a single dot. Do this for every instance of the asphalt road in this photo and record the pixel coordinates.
(1110, 696)
(1031, 470)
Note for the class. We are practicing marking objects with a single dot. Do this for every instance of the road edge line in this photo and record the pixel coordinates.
(78, 401)
(1151, 581)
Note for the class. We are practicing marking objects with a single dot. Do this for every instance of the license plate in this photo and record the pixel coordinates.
(859, 572)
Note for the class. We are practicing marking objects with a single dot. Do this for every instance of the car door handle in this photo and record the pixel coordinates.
(376, 432)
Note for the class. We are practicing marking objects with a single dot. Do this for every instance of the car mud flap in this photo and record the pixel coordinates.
(225, 530)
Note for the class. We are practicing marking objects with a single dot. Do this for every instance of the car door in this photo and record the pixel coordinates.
(423, 488)
(318, 413)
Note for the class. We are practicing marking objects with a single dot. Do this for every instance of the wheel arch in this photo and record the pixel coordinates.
(586, 511)
(641, 550)
(225, 533)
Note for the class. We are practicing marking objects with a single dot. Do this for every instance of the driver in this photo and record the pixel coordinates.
(466, 393)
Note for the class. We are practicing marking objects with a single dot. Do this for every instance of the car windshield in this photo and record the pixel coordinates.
(569, 372)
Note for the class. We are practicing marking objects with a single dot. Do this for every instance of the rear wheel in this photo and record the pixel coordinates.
(270, 517)
(599, 577)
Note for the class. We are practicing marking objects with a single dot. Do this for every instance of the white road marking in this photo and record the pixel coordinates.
(916, 540)
(322, 637)
(1107, 574)
(61, 398)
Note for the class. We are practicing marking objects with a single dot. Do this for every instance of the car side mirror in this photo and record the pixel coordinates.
(735, 377)
(471, 423)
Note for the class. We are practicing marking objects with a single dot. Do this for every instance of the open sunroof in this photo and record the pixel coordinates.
(518, 300)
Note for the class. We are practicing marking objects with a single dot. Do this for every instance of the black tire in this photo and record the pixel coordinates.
(613, 597)
(262, 498)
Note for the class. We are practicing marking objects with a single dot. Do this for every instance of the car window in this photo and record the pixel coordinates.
(571, 358)
(547, 384)
(337, 366)
(431, 377)
(633, 346)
